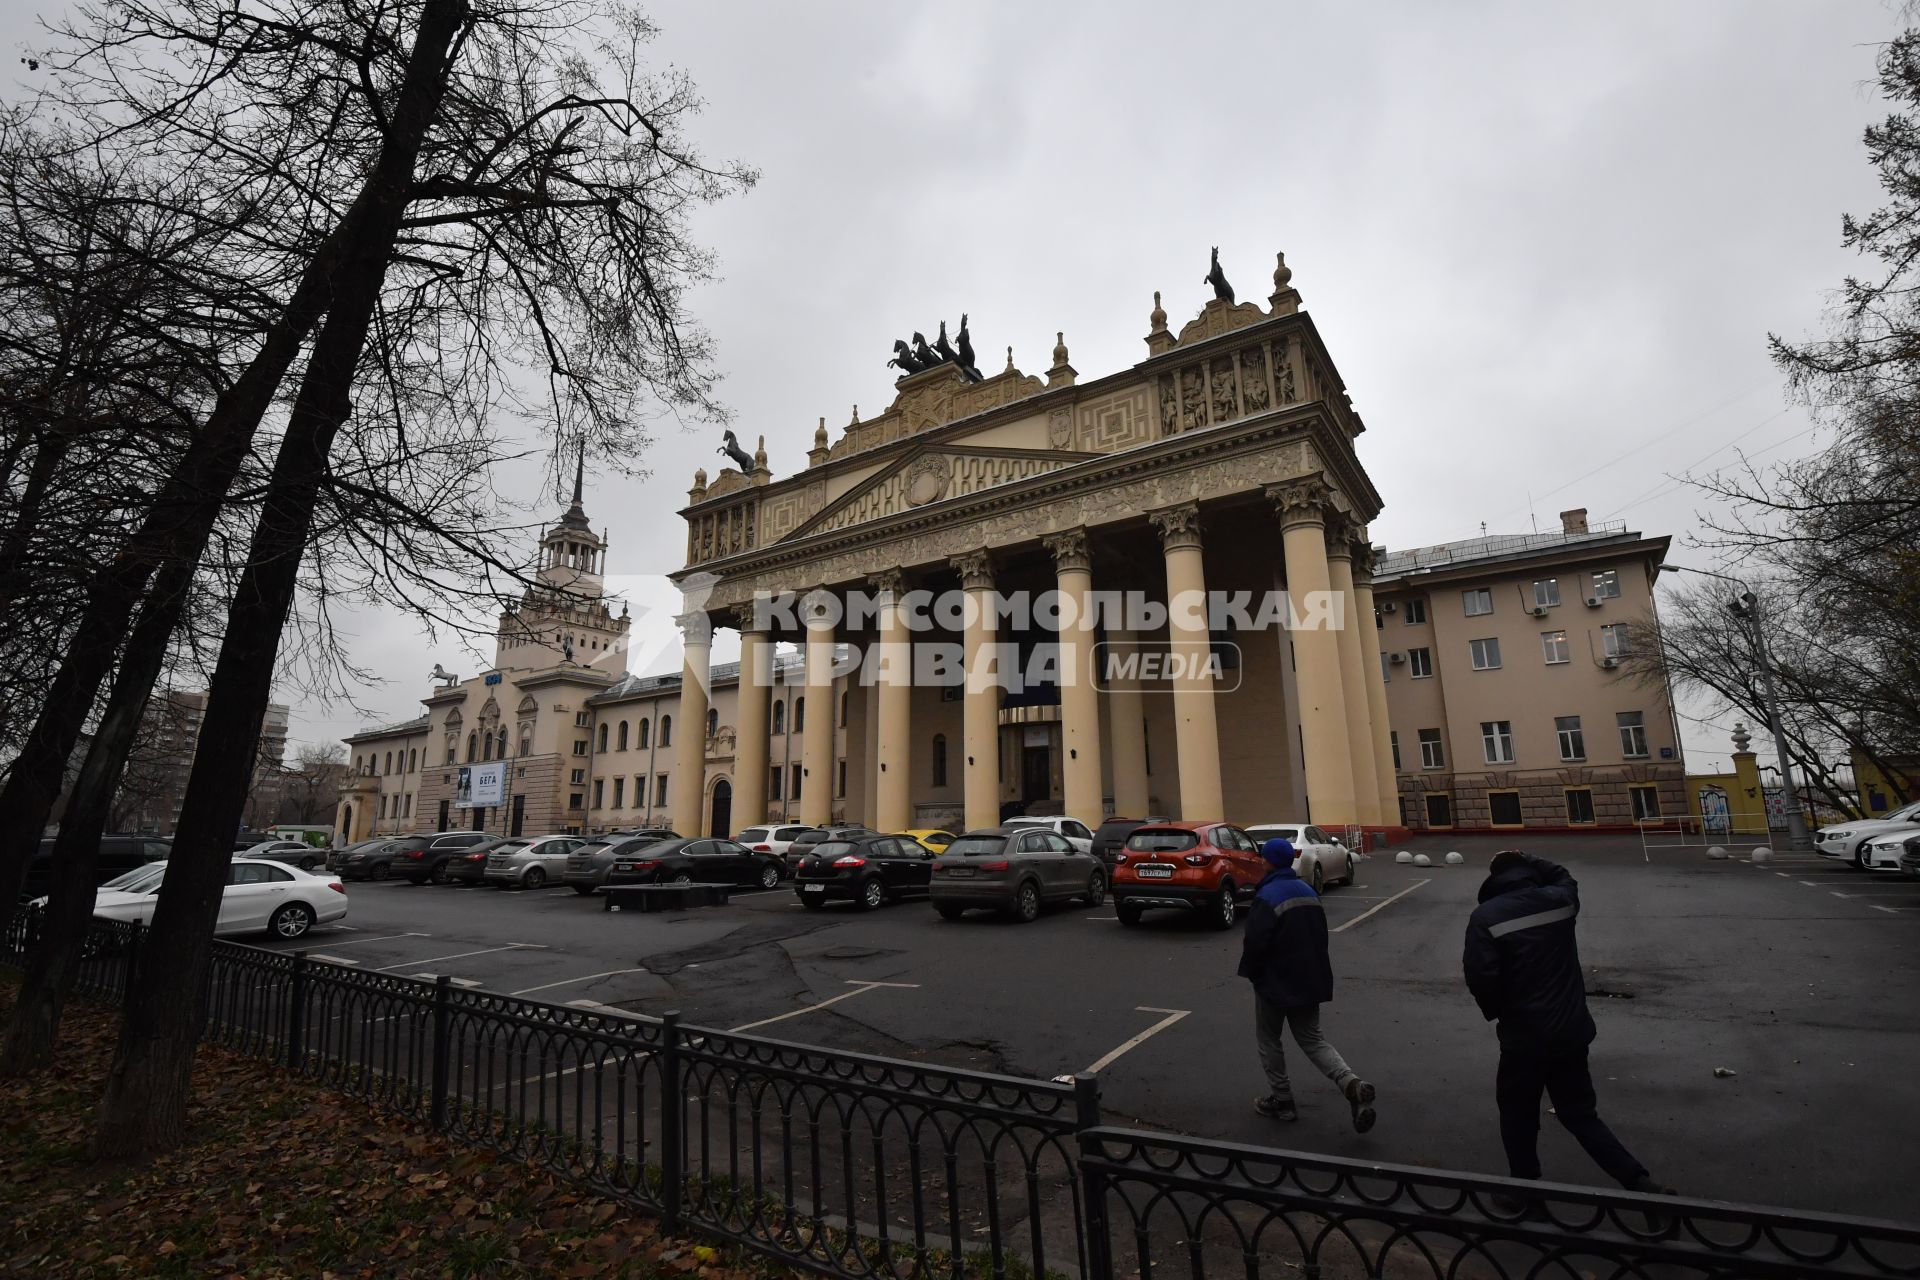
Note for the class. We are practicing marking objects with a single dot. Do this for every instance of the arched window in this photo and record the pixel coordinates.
(645, 724)
(413, 760)
(939, 759)
(502, 752)
(623, 735)
(799, 715)
(486, 745)
(603, 738)
(666, 730)
(388, 766)
(779, 718)
(473, 745)
(526, 740)
(359, 764)
(713, 722)
(843, 709)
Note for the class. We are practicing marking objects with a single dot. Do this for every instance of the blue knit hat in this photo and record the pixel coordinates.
(1278, 851)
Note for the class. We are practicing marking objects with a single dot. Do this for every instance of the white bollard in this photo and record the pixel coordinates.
(1454, 860)
(1403, 857)
(1422, 860)
(1717, 853)
(1762, 854)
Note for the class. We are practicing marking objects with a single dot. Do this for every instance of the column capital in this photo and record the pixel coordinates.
(1179, 527)
(1305, 501)
(975, 569)
(888, 582)
(1070, 550)
(816, 609)
(1343, 532)
(744, 618)
(695, 627)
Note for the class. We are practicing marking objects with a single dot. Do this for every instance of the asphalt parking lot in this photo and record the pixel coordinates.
(1799, 975)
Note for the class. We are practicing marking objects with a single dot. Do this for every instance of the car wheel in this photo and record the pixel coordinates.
(308, 864)
(770, 877)
(949, 911)
(437, 873)
(812, 904)
(380, 871)
(1128, 913)
(872, 895)
(292, 920)
(1319, 879)
(535, 878)
(1225, 909)
(1026, 902)
(1860, 856)
(1096, 889)
(681, 878)
(583, 889)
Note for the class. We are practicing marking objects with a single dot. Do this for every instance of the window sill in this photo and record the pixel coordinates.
(1492, 668)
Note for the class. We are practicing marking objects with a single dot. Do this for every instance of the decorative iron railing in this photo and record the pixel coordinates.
(879, 1169)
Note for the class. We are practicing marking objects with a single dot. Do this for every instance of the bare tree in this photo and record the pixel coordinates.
(310, 790)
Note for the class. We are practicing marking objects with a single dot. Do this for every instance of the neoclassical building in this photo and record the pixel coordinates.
(1224, 461)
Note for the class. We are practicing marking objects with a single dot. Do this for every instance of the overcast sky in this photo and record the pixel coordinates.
(1544, 244)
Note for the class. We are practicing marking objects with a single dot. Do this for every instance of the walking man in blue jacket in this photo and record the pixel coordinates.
(1284, 955)
(1523, 968)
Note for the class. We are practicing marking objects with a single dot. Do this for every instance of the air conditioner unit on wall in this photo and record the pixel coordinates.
(1539, 611)
(1396, 657)
(1389, 606)
(1593, 602)
(1609, 663)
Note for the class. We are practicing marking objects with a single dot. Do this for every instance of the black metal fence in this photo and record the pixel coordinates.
(860, 1166)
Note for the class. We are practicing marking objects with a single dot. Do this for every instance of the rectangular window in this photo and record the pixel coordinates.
(1431, 755)
(1573, 743)
(1386, 667)
(1477, 602)
(1496, 740)
(1486, 654)
(1393, 740)
(1416, 611)
(1633, 733)
(573, 800)
(1553, 645)
(599, 793)
(579, 776)
(579, 746)
(1606, 585)
(1439, 809)
(1503, 808)
(660, 788)
(1546, 593)
(1646, 803)
(1613, 640)
(1579, 807)
(408, 806)
(773, 782)
(619, 793)
(1420, 663)
(840, 781)
(581, 719)
(793, 792)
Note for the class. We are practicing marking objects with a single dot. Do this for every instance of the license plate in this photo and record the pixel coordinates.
(960, 873)
(814, 888)
(1154, 873)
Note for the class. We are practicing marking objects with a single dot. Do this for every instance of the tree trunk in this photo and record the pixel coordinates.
(16, 566)
(144, 1110)
(54, 962)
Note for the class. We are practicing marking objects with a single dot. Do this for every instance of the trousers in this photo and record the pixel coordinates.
(1564, 1077)
(1270, 1020)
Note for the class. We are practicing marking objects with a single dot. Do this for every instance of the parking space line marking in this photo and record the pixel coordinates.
(332, 959)
(1134, 1042)
(385, 937)
(860, 989)
(567, 982)
(1381, 906)
(594, 1006)
(461, 955)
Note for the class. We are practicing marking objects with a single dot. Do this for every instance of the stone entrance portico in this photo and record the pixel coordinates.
(1224, 461)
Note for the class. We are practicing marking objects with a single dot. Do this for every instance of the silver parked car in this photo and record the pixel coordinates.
(530, 862)
(1014, 870)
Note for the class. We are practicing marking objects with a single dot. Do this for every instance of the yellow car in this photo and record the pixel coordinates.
(932, 841)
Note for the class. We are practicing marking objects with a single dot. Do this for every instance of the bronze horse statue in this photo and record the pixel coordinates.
(741, 458)
(1218, 279)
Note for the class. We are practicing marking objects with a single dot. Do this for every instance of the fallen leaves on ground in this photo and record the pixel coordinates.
(283, 1179)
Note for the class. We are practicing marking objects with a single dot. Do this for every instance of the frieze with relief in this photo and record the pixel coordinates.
(932, 477)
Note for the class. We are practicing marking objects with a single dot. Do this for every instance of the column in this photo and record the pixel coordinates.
(1353, 673)
(1316, 655)
(1127, 732)
(893, 741)
(1195, 732)
(980, 707)
(1384, 775)
(687, 789)
(1079, 697)
(750, 749)
(816, 739)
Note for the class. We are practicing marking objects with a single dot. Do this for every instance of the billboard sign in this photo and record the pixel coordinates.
(481, 786)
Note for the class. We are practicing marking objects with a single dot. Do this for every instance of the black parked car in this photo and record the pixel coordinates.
(589, 863)
(368, 860)
(118, 855)
(866, 868)
(703, 861)
(1112, 836)
(469, 865)
(418, 859)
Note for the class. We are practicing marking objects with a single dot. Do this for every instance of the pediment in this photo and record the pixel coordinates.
(927, 476)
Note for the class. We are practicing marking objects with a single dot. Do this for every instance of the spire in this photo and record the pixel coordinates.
(576, 516)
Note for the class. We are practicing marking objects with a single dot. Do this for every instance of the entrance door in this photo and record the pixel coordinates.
(1036, 782)
(722, 810)
(519, 814)
(444, 805)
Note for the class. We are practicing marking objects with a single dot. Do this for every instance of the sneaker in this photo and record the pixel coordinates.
(1360, 1096)
(1276, 1108)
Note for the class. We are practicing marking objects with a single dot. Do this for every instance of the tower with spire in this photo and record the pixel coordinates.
(564, 616)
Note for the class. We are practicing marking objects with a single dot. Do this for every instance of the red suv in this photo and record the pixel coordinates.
(1189, 866)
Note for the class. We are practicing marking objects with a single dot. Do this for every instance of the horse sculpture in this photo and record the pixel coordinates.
(963, 344)
(741, 458)
(1218, 279)
(925, 354)
(903, 359)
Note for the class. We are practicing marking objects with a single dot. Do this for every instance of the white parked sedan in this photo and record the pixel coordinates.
(1320, 859)
(1848, 839)
(1882, 852)
(1073, 829)
(261, 896)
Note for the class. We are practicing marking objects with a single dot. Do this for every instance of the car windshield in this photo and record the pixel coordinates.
(752, 834)
(1161, 841)
(977, 846)
(832, 848)
(140, 880)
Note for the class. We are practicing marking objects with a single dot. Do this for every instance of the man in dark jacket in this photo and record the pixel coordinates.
(1523, 968)
(1284, 954)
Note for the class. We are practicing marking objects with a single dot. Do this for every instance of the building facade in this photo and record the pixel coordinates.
(154, 783)
(1508, 687)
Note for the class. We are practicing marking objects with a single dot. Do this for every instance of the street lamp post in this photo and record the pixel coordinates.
(1747, 607)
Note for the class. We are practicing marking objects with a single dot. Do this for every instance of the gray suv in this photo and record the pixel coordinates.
(1014, 870)
(588, 863)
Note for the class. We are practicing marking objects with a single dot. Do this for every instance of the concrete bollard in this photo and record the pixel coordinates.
(1762, 854)
(1422, 860)
(1717, 853)
(1454, 860)
(1403, 857)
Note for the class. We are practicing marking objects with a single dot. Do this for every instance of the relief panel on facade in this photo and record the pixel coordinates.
(1118, 421)
(930, 478)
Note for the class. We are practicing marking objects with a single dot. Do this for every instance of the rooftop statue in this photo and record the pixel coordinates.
(1218, 279)
(741, 458)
